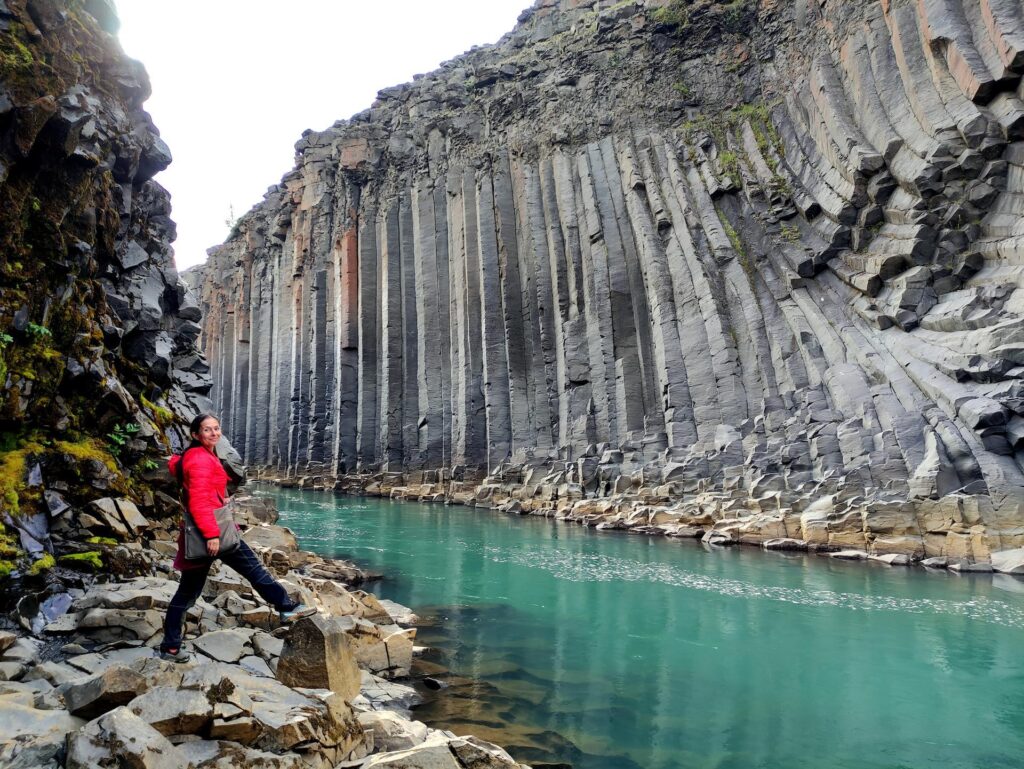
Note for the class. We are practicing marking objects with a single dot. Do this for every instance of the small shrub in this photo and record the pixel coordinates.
(118, 438)
(38, 332)
(790, 232)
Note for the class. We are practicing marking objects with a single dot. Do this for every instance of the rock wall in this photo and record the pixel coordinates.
(98, 361)
(757, 263)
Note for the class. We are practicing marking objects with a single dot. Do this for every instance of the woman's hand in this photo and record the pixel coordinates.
(213, 546)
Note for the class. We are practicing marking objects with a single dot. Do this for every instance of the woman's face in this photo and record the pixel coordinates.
(209, 433)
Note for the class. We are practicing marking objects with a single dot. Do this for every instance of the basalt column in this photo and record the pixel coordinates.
(761, 263)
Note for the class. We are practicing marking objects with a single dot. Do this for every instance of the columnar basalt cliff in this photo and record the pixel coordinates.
(750, 267)
(98, 362)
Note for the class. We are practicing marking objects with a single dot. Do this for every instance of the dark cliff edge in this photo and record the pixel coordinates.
(742, 270)
(98, 362)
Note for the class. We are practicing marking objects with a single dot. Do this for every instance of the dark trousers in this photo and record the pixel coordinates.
(243, 560)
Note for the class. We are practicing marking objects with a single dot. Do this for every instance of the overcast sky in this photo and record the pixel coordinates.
(236, 82)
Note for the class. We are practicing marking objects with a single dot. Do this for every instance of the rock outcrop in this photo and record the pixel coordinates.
(99, 368)
(754, 264)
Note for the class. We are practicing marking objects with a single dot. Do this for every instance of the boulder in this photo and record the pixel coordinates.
(109, 689)
(317, 654)
(433, 753)
(272, 538)
(31, 738)
(7, 640)
(211, 754)
(173, 711)
(391, 731)
(121, 738)
(1009, 561)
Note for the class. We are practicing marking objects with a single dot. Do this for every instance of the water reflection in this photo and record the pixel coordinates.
(605, 650)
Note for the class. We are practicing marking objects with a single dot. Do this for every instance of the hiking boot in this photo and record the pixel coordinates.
(295, 613)
(175, 654)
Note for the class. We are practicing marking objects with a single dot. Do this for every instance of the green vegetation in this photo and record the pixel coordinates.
(102, 541)
(682, 89)
(43, 564)
(38, 332)
(13, 469)
(729, 162)
(163, 417)
(118, 438)
(15, 57)
(147, 465)
(88, 449)
(675, 14)
(88, 561)
(790, 232)
(734, 238)
(680, 13)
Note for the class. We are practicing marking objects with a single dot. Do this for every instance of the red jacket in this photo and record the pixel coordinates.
(206, 484)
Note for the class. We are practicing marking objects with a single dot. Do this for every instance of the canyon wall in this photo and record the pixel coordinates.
(748, 266)
(99, 369)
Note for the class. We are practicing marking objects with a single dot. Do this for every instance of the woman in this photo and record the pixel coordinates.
(205, 483)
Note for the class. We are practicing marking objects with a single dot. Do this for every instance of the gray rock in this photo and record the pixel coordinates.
(111, 688)
(121, 738)
(1009, 561)
(317, 654)
(224, 645)
(31, 738)
(173, 711)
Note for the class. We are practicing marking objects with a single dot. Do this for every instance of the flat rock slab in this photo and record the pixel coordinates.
(1009, 561)
(224, 645)
(170, 710)
(30, 737)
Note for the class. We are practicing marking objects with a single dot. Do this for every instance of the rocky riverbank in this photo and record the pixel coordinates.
(936, 533)
(81, 685)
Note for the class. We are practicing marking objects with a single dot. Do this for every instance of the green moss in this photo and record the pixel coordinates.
(13, 467)
(88, 449)
(43, 564)
(6, 567)
(15, 56)
(89, 561)
(790, 232)
(102, 541)
(675, 14)
(682, 89)
(730, 165)
(9, 545)
(163, 417)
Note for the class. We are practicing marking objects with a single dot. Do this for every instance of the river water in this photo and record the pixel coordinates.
(610, 651)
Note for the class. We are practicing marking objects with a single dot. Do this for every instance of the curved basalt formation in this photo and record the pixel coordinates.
(751, 266)
(98, 362)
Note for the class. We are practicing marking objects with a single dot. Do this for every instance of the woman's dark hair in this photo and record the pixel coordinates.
(194, 426)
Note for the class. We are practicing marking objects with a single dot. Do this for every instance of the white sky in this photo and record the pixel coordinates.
(235, 83)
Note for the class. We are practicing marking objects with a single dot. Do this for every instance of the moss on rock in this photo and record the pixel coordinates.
(45, 563)
(91, 560)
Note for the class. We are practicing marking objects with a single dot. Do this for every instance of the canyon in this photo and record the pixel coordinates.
(739, 270)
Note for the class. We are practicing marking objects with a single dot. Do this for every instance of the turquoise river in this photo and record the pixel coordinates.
(596, 650)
